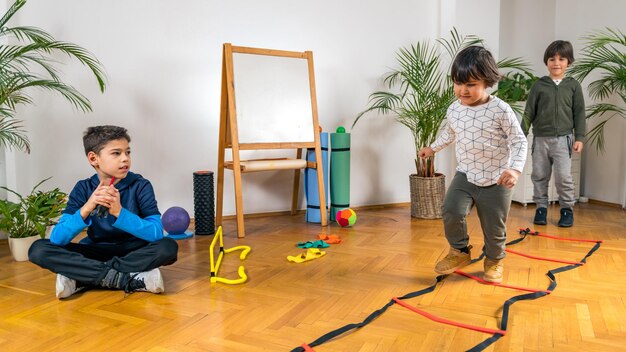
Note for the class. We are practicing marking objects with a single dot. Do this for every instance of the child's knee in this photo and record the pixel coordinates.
(452, 213)
(170, 245)
(169, 250)
(37, 252)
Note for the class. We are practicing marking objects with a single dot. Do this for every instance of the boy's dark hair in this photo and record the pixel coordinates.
(561, 47)
(96, 137)
(475, 62)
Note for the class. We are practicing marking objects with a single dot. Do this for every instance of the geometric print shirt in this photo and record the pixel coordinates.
(488, 138)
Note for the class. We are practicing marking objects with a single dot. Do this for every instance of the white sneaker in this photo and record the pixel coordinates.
(66, 286)
(146, 281)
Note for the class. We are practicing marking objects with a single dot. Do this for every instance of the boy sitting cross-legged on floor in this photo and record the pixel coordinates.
(124, 246)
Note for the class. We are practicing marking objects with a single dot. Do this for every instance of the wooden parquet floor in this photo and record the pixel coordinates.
(285, 304)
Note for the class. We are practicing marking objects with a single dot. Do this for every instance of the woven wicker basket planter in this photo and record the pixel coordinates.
(427, 195)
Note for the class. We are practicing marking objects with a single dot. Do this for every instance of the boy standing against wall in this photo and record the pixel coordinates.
(555, 108)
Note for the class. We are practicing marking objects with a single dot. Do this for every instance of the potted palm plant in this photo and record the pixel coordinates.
(27, 61)
(603, 54)
(423, 93)
(25, 51)
(26, 221)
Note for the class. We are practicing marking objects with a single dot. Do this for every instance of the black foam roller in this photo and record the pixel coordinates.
(203, 202)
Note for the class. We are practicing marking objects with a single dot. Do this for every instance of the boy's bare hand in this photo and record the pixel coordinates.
(509, 178)
(426, 152)
(106, 196)
(115, 205)
(96, 198)
(578, 146)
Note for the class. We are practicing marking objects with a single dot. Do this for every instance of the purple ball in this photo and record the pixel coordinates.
(175, 220)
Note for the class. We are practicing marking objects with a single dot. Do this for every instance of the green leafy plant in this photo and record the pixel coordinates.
(604, 54)
(33, 213)
(27, 50)
(423, 91)
(514, 86)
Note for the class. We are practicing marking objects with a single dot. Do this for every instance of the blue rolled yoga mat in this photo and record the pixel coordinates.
(310, 182)
(339, 171)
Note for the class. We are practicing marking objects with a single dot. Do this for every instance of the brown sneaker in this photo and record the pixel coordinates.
(453, 261)
(493, 270)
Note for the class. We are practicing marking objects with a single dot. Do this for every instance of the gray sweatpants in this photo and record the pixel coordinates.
(492, 204)
(549, 153)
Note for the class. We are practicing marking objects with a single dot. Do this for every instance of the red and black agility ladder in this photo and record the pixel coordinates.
(496, 333)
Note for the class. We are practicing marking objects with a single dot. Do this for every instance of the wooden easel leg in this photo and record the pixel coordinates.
(318, 148)
(320, 185)
(220, 191)
(296, 185)
(228, 118)
(221, 149)
(241, 231)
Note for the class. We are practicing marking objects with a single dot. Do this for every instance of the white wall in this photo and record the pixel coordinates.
(527, 27)
(163, 62)
(604, 175)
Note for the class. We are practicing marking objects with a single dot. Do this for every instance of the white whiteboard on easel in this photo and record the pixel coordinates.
(273, 99)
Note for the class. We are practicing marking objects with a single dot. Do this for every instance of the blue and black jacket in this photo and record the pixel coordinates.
(139, 218)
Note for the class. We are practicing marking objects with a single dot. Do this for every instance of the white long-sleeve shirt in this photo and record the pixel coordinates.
(488, 138)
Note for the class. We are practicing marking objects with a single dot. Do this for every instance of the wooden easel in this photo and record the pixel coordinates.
(229, 138)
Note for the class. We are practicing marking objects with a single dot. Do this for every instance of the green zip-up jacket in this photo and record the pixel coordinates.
(555, 110)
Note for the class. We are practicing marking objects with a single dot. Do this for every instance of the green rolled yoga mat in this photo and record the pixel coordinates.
(339, 171)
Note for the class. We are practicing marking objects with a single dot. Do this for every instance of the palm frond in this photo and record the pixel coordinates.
(78, 100)
(33, 34)
(600, 54)
(14, 99)
(457, 42)
(383, 102)
(12, 134)
(596, 136)
(604, 86)
(11, 11)
(82, 55)
(605, 108)
(600, 38)
(604, 54)
(516, 64)
(607, 111)
(71, 50)
(12, 61)
(31, 51)
(44, 63)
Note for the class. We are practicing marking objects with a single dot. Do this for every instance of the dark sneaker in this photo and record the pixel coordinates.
(567, 218)
(67, 287)
(541, 216)
(146, 281)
